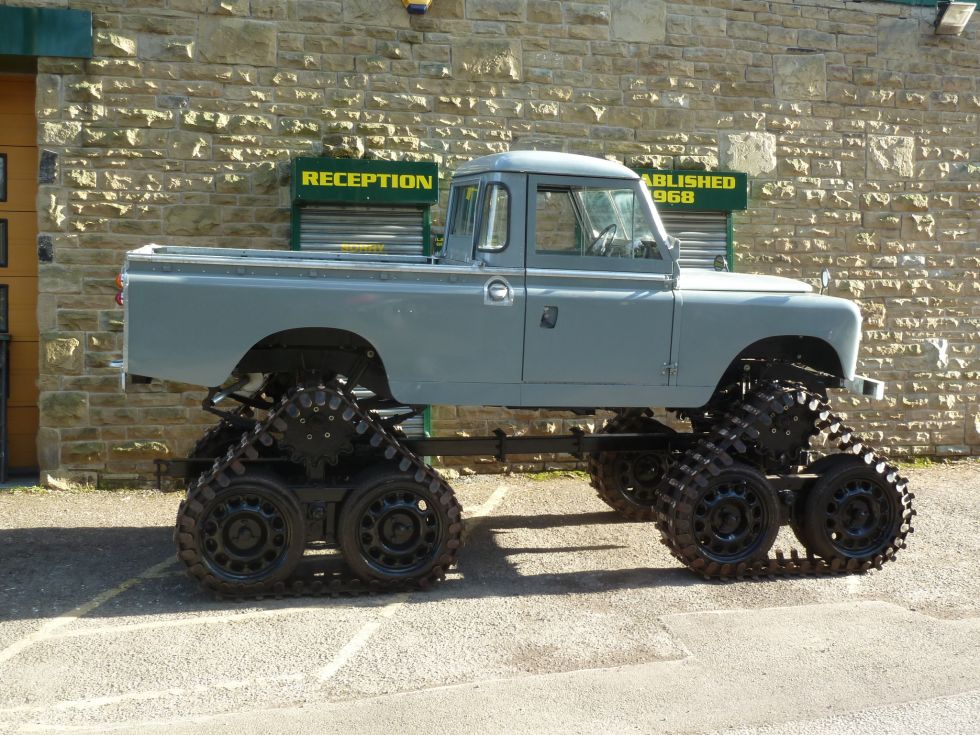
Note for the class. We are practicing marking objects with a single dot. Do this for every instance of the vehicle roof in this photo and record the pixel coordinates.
(546, 162)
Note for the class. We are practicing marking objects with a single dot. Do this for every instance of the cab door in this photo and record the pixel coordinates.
(600, 295)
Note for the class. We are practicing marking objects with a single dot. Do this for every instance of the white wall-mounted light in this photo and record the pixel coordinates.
(952, 17)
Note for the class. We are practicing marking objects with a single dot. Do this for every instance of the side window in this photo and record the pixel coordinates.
(464, 209)
(495, 218)
(593, 221)
(556, 229)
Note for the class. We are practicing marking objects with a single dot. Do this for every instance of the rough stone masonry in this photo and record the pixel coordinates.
(857, 125)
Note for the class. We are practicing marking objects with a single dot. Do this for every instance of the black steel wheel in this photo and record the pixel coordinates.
(393, 528)
(631, 482)
(731, 519)
(249, 535)
(852, 512)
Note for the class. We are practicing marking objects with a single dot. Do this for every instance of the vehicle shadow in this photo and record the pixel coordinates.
(48, 572)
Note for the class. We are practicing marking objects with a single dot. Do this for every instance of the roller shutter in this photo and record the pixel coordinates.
(703, 236)
(339, 228)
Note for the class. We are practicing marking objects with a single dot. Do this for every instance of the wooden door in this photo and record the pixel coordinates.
(18, 264)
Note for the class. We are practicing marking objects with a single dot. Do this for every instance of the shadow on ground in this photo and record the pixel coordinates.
(45, 572)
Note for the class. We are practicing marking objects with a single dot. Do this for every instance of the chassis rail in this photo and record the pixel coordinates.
(500, 446)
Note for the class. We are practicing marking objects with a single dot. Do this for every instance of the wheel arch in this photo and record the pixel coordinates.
(811, 359)
(320, 349)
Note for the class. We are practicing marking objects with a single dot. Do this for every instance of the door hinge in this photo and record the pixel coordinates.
(670, 368)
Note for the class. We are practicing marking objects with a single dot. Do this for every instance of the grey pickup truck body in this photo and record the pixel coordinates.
(556, 286)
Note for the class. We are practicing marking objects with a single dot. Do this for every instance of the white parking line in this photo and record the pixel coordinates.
(360, 639)
(183, 622)
(176, 692)
(46, 630)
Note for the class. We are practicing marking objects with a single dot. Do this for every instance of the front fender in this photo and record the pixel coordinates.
(715, 327)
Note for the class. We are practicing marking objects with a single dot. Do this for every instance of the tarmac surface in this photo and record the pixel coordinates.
(560, 618)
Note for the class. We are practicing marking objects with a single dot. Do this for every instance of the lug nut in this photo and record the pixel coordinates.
(309, 436)
(326, 435)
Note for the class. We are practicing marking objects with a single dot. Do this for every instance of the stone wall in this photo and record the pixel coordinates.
(858, 128)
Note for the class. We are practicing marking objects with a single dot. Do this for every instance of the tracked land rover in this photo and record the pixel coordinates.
(556, 287)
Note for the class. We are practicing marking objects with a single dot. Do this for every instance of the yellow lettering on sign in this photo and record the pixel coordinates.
(366, 180)
(367, 247)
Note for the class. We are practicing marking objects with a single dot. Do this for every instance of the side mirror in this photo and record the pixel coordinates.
(824, 279)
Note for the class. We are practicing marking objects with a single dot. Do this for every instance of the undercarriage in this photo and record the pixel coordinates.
(306, 471)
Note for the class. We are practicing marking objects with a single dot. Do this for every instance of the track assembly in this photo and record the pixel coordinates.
(244, 526)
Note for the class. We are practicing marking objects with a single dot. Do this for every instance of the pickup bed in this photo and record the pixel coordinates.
(556, 287)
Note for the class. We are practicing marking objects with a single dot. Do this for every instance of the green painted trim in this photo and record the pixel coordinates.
(427, 427)
(427, 232)
(730, 247)
(45, 32)
(919, 3)
(294, 228)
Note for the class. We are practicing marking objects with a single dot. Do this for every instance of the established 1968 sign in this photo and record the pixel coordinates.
(697, 190)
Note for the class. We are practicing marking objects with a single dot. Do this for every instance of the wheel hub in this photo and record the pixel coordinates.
(856, 516)
(244, 535)
(398, 532)
(729, 521)
(640, 475)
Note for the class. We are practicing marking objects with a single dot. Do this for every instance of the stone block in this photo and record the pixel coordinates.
(638, 21)
(192, 219)
(544, 11)
(63, 408)
(113, 43)
(496, 9)
(374, 13)
(223, 40)
(800, 76)
(62, 354)
(751, 152)
(580, 14)
(138, 450)
(890, 156)
(88, 454)
(488, 60)
(918, 227)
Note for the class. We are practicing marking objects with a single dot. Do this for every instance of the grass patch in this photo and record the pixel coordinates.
(918, 463)
(557, 475)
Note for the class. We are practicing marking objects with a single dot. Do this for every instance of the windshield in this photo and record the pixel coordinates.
(615, 223)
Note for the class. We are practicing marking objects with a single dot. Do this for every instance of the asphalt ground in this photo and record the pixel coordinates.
(559, 618)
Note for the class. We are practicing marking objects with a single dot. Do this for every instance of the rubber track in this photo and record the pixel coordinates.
(292, 407)
(746, 423)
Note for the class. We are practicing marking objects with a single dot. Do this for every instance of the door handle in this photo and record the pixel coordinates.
(549, 317)
(497, 292)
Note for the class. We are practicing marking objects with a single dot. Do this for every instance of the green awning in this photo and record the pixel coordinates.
(45, 32)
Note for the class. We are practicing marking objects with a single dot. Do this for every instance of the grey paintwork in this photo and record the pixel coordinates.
(465, 327)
